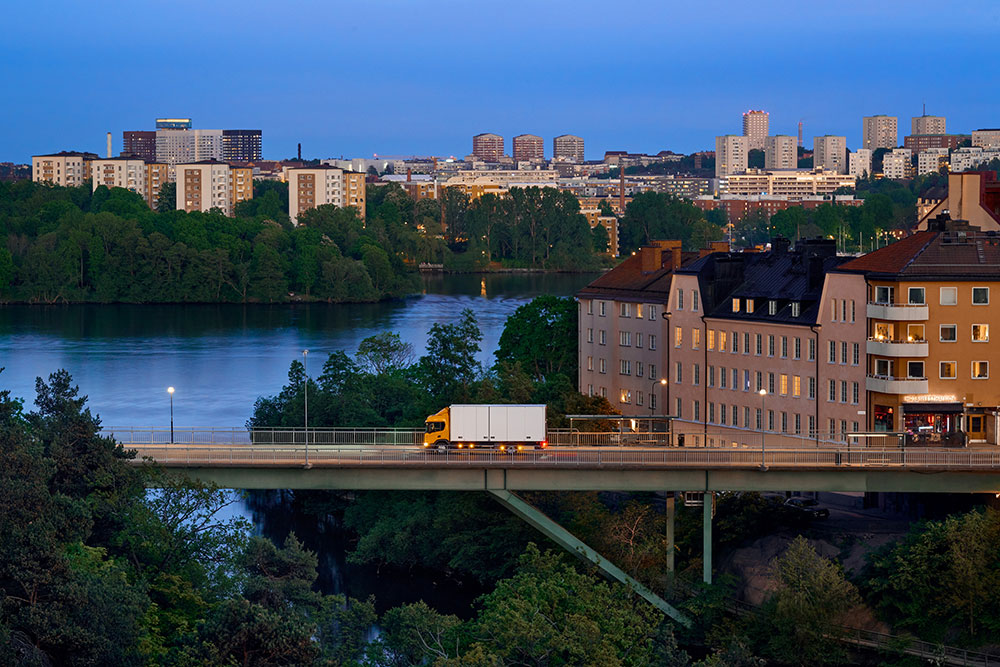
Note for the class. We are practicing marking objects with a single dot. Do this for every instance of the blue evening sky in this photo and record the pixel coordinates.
(421, 77)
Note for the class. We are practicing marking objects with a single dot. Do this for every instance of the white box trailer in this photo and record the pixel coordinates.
(507, 427)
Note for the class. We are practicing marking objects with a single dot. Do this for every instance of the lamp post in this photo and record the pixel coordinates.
(170, 390)
(652, 389)
(763, 393)
(305, 372)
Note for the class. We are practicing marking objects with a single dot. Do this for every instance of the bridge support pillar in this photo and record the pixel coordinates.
(671, 547)
(706, 537)
(571, 543)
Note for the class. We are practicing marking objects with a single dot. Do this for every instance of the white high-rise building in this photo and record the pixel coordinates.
(68, 168)
(730, 155)
(927, 125)
(781, 152)
(988, 138)
(879, 132)
(859, 163)
(830, 153)
(756, 128)
(898, 164)
(929, 160)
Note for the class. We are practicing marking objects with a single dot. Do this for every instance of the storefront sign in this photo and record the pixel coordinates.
(930, 398)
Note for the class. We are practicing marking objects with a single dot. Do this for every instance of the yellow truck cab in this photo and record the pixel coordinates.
(437, 428)
(510, 428)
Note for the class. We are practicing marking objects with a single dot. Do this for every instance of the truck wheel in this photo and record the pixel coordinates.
(442, 445)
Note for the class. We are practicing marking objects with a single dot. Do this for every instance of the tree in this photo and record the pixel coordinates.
(167, 199)
(601, 240)
(541, 337)
(450, 365)
(384, 353)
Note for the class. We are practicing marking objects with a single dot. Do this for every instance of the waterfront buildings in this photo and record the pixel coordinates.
(208, 184)
(487, 147)
(781, 152)
(879, 132)
(730, 155)
(528, 147)
(756, 128)
(830, 153)
(142, 177)
(309, 187)
(66, 168)
(568, 147)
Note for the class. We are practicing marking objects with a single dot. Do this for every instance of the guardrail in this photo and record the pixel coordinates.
(619, 457)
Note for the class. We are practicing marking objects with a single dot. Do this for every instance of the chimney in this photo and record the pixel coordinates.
(300, 151)
(409, 174)
(621, 189)
(652, 258)
(109, 144)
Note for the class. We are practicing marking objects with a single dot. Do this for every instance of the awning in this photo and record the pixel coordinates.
(934, 408)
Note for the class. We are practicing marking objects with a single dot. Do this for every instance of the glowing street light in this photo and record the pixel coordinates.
(170, 390)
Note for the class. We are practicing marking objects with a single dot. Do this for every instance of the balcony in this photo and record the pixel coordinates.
(886, 384)
(897, 312)
(883, 347)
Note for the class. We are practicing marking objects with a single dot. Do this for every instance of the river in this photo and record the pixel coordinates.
(220, 359)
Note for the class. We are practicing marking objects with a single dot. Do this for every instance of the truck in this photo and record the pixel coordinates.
(506, 428)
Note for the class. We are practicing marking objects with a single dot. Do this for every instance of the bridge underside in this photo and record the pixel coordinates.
(523, 479)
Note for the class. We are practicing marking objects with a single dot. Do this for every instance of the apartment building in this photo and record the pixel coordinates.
(898, 164)
(528, 147)
(968, 158)
(756, 128)
(931, 160)
(781, 152)
(487, 147)
(568, 147)
(928, 319)
(140, 176)
(830, 153)
(927, 125)
(309, 187)
(986, 138)
(790, 183)
(241, 145)
(623, 355)
(859, 163)
(972, 196)
(879, 132)
(208, 184)
(730, 155)
(66, 168)
(610, 224)
(738, 207)
(762, 342)
(921, 142)
(139, 144)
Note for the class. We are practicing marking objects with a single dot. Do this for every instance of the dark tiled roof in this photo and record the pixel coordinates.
(89, 156)
(629, 281)
(963, 253)
(893, 258)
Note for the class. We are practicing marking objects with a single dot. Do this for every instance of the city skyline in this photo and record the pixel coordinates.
(694, 86)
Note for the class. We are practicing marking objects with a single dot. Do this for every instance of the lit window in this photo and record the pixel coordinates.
(736, 305)
(948, 370)
(980, 370)
(980, 333)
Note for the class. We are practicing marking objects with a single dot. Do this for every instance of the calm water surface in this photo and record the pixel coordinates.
(221, 358)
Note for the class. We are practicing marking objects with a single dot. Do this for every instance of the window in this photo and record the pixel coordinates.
(711, 339)
(722, 413)
(760, 380)
(680, 299)
(746, 380)
(843, 310)
(678, 336)
(590, 335)
(915, 296)
(812, 349)
(784, 347)
(602, 337)
(696, 410)
(626, 368)
(980, 370)
(796, 308)
(884, 294)
(833, 352)
(638, 339)
(796, 386)
(638, 312)
(722, 341)
(883, 368)
(772, 307)
(770, 346)
(652, 341)
(735, 345)
(758, 346)
(746, 416)
(626, 396)
(856, 354)
(711, 413)
(770, 420)
(604, 366)
(833, 428)
(625, 310)
(651, 310)
(600, 310)
(949, 296)
(638, 398)
(783, 385)
(798, 423)
(746, 342)
(638, 369)
(678, 372)
(678, 404)
(590, 363)
(843, 351)
(711, 376)
(833, 310)
(915, 332)
(736, 305)
(695, 338)
(749, 305)
(652, 401)
(797, 348)
(758, 421)
(696, 375)
(736, 379)
(784, 422)
(980, 296)
(843, 391)
(590, 390)
(980, 333)
(723, 377)
(694, 300)
(832, 393)
(812, 425)
(590, 306)
(652, 372)
(625, 338)
(948, 370)
(949, 333)
(855, 394)
(852, 310)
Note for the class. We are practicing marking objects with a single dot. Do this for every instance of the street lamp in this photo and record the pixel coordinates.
(305, 372)
(662, 382)
(763, 393)
(170, 390)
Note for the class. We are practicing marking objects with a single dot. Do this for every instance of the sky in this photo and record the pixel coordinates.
(421, 77)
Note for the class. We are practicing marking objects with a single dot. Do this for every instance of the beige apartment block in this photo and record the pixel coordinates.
(67, 168)
(756, 128)
(141, 177)
(791, 184)
(781, 152)
(987, 138)
(487, 147)
(927, 125)
(310, 187)
(528, 147)
(202, 186)
(898, 164)
(568, 147)
(730, 155)
(879, 132)
(830, 153)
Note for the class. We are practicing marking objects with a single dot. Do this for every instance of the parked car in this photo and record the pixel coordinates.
(807, 507)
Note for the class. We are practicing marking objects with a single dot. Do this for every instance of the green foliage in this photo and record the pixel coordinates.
(541, 337)
(653, 215)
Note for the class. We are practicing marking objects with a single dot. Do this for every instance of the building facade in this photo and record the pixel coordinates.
(859, 163)
(921, 142)
(830, 153)
(141, 177)
(781, 152)
(879, 132)
(241, 145)
(986, 138)
(756, 128)
(309, 187)
(927, 125)
(528, 147)
(139, 144)
(66, 168)
(738, 207)
(568, 147)
(730, 155)
(898, 164)
(792, 184)
(931, 160)
(487, 147)
(972, 196)
(208, 184)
